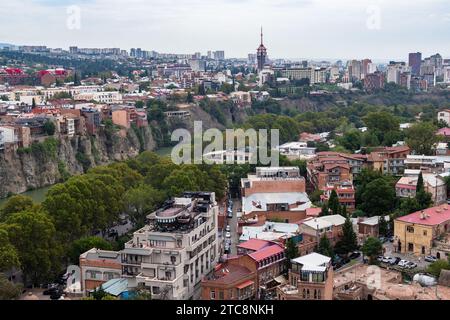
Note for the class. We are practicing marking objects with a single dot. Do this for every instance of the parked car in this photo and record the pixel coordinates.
(380, 258)
(403, 263)
(386, 259)
(397, 260)
(355, 255)
(411, 265)
(391, 239)
(431, 259)
(228, 235)
(55, 296)
(392, 261)
(230, 215)
(51, 291)
(228, 228)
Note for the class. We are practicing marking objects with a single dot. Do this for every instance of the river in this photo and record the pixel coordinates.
(38, 195)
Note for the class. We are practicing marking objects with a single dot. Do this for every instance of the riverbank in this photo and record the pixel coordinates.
(38, 195)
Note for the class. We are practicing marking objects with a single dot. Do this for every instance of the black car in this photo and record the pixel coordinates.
(51, 291)
(55, 296)
(355, 255)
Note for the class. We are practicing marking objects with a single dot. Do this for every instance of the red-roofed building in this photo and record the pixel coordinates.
(326, 171)
(13, 76)
(251, 246)
(445, 132)
(417, 232)
(265, 260)
(229, 282)
(51, 76)
(313, 212)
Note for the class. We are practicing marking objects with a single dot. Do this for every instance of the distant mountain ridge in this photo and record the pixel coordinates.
(2, 45)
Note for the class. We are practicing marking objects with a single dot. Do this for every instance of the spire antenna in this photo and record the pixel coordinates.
(261, 35)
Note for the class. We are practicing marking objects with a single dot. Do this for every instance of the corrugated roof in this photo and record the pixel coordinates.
(115, 287)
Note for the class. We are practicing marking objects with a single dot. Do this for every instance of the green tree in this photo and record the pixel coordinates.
(33, 235)
(333, 203)
(8, 290)
(343, 211)
(436, 267)
(407, 206)
(49, 128)
(325, 247)
(99, 293)
(378, 198)
(420, 187)
(140, 201)
(351, 140)
(142, 294)
(291, 252)
(423, 198)
(348, 242)
(15, 204)
(421, 138)
(8, 253)
(139, 104)
(84, 244)
(372, 248)
(384, 125)
(325, 211)
(383, 226)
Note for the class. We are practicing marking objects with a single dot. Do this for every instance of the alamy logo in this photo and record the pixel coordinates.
(234, 146)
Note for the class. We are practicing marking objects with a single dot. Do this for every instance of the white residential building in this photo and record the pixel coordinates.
(444, 115)
(297, 150)
(101, 97)
(177, 249)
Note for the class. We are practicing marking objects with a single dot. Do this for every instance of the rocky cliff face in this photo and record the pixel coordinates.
(22, 171)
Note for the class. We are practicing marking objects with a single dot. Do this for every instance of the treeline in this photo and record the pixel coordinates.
(85, 67)
(41, 239)
(343, 123)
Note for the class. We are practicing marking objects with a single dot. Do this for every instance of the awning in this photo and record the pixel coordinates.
(281, 279)
(245, 284)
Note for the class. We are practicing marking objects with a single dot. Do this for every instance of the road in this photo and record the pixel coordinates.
(233, 223)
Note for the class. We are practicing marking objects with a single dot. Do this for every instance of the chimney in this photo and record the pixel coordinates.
(422, 215)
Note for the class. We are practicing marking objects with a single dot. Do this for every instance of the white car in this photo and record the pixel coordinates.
(403, 263)
(386, 259)
(228, 228)
(228, 235)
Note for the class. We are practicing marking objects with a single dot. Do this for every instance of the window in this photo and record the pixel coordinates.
(410, 229)
(230, 294)
(213, 295)
(304, 293)
(319, 295)
(315, 294)
(425, 232)
(156, 290)
(221, 295)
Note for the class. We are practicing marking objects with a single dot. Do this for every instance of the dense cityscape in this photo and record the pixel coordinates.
(92, 207)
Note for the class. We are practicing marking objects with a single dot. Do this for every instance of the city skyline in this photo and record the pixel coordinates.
(334, 31)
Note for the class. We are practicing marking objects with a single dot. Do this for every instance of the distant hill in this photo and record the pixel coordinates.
(2, 45)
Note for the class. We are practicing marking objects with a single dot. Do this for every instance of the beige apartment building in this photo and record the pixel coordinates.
(179, 247)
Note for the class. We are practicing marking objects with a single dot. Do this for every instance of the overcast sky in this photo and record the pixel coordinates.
(378, 29)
